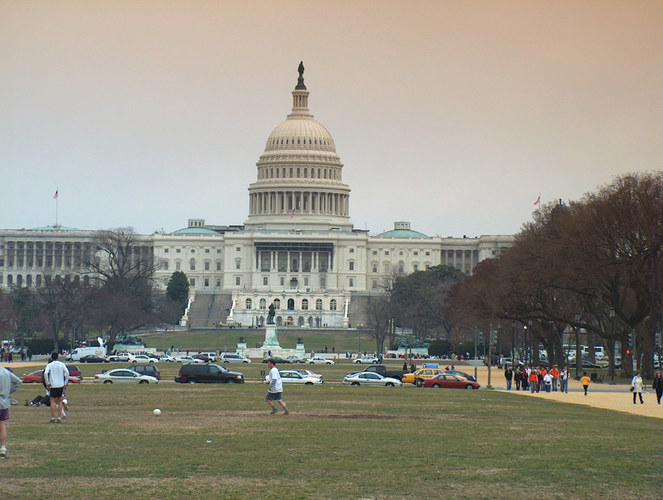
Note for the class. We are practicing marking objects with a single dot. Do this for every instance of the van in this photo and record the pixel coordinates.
(208, 373)
(79, 352)
(231, 357)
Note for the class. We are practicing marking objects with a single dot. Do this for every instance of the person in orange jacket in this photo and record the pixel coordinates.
(533, 380)
(554, 373)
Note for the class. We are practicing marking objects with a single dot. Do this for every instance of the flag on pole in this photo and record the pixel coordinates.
(55, 196)
(538, 200)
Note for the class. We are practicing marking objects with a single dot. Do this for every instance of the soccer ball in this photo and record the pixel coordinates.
(157, 412)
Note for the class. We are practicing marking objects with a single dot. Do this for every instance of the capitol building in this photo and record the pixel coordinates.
(297, 249)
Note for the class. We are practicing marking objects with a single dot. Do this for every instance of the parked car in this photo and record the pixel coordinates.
(202, 357)
(367, 360)
(74, 371)
(122, 357)
(370, 378)
(295, 359)
(188, 359)
(143, 358)
(307, 373)
(317, 360)
(210, 355)
(146, 369)
(448, 381)
(229, 357)
(123, 376)
(93, 358)
(277, 359)
(165, 358)
(36, 378)
(417, 378)
(208, 373)
(461, 374)
(294, 377)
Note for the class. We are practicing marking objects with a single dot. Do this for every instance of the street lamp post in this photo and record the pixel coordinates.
(611, 313)
(513, 344)
(578, 354)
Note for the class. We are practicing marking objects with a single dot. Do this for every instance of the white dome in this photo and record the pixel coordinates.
(300, 133)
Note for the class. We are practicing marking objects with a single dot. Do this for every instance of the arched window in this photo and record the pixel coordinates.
(291, 304)
(263, 304)
(318, 305)
(305, 304)
(192, 265)
(277, 303)
(300, 321)
(249, 304)
(332, 305)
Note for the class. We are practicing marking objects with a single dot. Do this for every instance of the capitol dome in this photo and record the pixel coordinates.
(299, 181)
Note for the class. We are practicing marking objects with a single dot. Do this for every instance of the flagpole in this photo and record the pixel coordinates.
(57, 199)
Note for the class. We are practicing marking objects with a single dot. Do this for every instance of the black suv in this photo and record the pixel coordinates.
(208, 373)
(150, 370)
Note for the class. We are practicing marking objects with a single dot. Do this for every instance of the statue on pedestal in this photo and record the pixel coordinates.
(270, 316)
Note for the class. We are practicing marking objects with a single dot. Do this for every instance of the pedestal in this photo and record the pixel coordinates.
(271, 341)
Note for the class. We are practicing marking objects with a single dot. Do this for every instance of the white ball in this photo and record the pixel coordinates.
(157, 412)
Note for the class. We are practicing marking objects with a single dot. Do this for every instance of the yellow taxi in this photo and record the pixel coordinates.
(417, 378)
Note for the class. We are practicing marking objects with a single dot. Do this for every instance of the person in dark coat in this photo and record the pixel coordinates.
(658, 385)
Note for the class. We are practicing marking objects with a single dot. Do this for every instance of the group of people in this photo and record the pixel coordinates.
(537, 379)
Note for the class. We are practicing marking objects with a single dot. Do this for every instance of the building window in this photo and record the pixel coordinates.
(165, 250)
(416, 253)
(375, 283)
(206, 266)
(192, 265)
(263, 304)
(375, 268)
(207, 250)
(375, 252)
(178, 265)
(165, 265)
(177, 250)
(352, 282)
(193, 250)
(352, 250)
(248, 304)
(305, 304)
(305, 281)
(237, 280)
(318, 305)
(427, 254)
(282, 281)
(192, 281)
(218, 283)
(218, 250)
(277, 303)
(332, 305)
(351, 265)
(206, 281)
(265, 280)
(218, 266)
(416, 267)
(386, 252)
(238, 263)
(238, 249)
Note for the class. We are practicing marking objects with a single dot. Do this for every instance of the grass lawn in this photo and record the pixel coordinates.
(219, 441)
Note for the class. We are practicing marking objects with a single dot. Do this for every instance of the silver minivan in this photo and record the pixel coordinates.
(231, 357)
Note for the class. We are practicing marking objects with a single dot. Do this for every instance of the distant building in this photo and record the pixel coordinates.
(297, 249)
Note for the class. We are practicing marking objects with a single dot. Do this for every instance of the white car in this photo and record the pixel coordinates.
(370, 378)
(317, 360)
(122, 357)
(307, 373)
(142, 358)
(366, 361)
(294, 377)
(227, 357)
(124, 376)
(188, 359)
(165, 358)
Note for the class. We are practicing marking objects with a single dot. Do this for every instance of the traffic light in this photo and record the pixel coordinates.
(629, 341)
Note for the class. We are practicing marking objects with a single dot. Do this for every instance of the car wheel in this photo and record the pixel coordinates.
(244, 361)
(311, 363)
(419, 382)
(231, 381)
(108, 381)
(355, 383)
(144, 382)
(191, 381)
(469, 386)
(389, 384)
(436, 386)
(308, 383)
(328, 363)
(134, 361)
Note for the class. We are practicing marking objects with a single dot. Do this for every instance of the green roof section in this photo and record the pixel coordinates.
(402, 233)
(195, 230)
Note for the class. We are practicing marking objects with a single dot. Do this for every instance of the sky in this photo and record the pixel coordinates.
(453, 115)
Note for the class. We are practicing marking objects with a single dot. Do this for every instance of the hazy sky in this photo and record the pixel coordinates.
(453, 115)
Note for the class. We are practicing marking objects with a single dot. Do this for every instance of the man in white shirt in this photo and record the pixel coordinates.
(56, 376)
(275, 390)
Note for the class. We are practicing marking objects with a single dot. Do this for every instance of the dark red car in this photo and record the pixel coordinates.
(35, 378)
(448, 381)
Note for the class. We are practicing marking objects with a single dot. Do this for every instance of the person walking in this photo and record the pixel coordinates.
(564, 380)
(508, 375)
(533, 381)
(554, 373)
(56, 376)
(658, 385)
(517, 378)
(275, 390)
(547, 382)
(636, 387)
(8, 384)
(584, 380)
